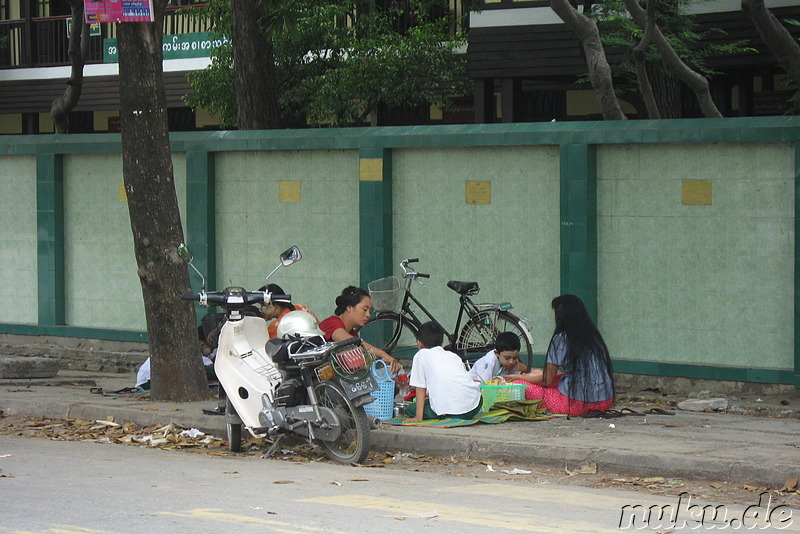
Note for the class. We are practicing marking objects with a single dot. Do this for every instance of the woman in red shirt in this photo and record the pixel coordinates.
(353, 307)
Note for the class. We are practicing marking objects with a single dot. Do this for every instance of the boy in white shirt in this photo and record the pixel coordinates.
(501, 360)
(441, 376)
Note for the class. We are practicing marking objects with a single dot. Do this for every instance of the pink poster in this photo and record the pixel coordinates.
(118, 10)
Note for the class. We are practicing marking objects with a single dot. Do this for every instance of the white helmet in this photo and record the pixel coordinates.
(298, 323)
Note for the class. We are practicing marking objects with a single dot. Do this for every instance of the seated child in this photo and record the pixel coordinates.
(441, 375)
(501, 360)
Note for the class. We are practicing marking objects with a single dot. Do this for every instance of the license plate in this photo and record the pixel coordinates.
(362, 387)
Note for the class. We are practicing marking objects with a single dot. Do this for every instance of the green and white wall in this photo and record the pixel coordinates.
(679, 235)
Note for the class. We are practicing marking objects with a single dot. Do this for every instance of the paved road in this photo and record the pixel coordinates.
(49, 487)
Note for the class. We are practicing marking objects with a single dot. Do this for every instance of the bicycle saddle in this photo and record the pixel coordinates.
(464, 288)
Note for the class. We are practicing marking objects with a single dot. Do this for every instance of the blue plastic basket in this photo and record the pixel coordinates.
(383, 405)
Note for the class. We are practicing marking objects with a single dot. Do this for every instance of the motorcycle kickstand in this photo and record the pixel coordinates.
(272, 448)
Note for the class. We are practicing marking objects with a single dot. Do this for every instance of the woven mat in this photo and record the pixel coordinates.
(493, 416)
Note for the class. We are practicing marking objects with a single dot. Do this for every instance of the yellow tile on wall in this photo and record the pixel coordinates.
(479, 192)
(289, 191)
(370, 169)
(696, 192)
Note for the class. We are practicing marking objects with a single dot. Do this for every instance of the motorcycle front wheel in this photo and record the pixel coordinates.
(352, 445)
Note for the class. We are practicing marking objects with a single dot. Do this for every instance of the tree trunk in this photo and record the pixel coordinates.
(253, 69)
(780, 42)
(599, 69)
(667, 91)
(176, 367)
(78, 50)
(696, 81)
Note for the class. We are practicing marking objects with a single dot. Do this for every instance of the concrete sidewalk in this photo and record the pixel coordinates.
(730, 447)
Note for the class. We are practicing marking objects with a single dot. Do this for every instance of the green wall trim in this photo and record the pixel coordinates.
(578, 210)
(375, 220)
(50, 239)
(706, 372)
(60, 144)
(735, 129)
(201, 229)
(797, 264)
(73, 331)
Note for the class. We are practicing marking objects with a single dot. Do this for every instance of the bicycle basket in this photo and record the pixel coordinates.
(384, 293)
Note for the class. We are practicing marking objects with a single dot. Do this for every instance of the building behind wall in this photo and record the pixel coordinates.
(34, 69)
(526, 64)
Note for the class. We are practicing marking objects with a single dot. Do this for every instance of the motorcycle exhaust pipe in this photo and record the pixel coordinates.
(374, 423)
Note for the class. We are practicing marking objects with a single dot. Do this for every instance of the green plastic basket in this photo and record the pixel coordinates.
(509, 392)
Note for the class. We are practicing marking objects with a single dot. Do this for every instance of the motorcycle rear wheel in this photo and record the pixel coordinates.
(233, 430)
(352, 445)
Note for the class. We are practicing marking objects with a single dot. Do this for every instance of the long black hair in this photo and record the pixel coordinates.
(351, 296)
(586, 348)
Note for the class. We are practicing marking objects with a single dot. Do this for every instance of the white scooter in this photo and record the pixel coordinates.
(297, 383)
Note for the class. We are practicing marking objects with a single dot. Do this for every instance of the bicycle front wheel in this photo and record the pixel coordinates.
(392, 333)
(479, 334)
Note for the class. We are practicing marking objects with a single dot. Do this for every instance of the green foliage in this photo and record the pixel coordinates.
(339, 61)
(620, 34)
(793, 103)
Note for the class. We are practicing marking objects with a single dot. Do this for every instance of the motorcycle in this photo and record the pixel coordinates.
(295, 384)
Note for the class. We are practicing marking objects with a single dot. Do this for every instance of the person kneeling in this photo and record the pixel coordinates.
(441, 375)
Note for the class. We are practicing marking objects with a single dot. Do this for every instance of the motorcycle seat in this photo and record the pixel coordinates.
(277, 350)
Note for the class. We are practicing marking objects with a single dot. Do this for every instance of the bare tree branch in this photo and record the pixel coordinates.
(780, 42)
(694, 80)
(599, 69)
(639, 55)
(78, 50)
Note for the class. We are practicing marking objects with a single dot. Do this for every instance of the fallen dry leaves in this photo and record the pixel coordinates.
(108, 431)
(790, 485)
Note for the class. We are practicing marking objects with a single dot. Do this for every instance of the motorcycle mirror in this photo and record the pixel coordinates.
(184, 253)
(290, 256)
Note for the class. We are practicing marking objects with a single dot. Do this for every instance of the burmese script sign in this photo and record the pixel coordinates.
(185, 45)
(118, 10)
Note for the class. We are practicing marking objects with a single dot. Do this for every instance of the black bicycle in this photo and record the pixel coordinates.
(396, 332)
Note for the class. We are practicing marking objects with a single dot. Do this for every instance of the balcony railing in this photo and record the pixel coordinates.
(44, 42)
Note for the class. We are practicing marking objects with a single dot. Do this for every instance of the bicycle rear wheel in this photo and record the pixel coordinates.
(478, 335)
(392, 333)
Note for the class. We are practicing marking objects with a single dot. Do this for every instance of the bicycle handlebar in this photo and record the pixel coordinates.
(411, 274)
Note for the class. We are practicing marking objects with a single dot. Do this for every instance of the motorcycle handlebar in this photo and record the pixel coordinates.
(423, 275)
(411, 260)
(250, 297)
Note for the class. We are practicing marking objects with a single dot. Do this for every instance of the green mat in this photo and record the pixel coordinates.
(499, 413)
